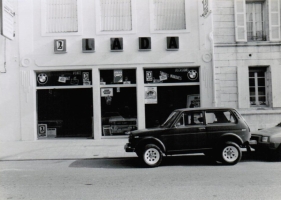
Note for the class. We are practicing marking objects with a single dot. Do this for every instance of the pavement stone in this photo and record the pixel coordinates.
(63, 149)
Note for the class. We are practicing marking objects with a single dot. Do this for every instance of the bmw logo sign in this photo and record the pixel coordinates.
(192, 74)
(42, 78)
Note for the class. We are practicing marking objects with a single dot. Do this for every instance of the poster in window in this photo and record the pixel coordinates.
(42, 130)
(105, 92)
(150, 95)
(118, 76)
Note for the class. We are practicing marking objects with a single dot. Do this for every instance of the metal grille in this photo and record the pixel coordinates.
(169, 15)
(61, 16)
(116, 15)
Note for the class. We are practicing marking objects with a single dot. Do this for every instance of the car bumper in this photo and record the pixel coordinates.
(128, 148)
(264, 146)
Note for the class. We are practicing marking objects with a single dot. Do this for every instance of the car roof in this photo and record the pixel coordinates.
(206, 108)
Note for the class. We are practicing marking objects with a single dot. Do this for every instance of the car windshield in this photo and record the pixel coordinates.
(170, 119)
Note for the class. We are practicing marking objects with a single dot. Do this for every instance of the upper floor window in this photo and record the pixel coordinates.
(116, 15)
(257, 20)
(257, 86)
(255, 15)
(61, 16)
(169, 15)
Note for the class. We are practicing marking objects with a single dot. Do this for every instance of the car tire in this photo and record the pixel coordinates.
(230, 153)
(152, 155)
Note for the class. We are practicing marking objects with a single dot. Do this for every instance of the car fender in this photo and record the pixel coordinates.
(230, 137)
(151, 140)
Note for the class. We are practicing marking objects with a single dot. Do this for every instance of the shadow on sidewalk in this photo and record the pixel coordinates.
(182, 160)
(185, 160)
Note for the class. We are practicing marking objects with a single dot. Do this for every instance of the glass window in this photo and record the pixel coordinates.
(257, 86)
(190, 118)
(118, 76)
(255, 21)
(171, 75)
(118, 103)
(169, 15)
(116, 15)
(213, 117)
(61, 16)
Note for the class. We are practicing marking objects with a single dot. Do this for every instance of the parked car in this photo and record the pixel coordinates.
(217, 131)
(267, 142)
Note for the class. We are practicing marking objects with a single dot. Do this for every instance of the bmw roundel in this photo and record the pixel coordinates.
(192, 74)
(42, 78)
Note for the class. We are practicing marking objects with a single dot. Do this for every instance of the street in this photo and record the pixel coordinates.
(179, 177)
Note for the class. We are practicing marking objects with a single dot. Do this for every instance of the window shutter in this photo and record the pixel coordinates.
(276, 91)
(243, 87)
(240, 21)
(274, 20)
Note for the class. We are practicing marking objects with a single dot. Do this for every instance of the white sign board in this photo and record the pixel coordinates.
(150, 95)
(7, 19)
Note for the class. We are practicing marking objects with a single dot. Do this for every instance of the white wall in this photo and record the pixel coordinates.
(10, 128)
(36, 51)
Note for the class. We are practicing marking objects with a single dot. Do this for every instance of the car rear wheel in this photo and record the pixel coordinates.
(152, 155)
(230, 153)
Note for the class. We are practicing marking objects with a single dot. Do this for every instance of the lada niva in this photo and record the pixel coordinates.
(219, 132)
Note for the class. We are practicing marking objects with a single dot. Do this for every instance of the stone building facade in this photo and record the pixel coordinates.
(247, 59)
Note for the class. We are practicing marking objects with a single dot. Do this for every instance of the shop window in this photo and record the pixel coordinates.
(169, 15)
(118, 101)
(258, 86)
(118, 76)
(116, 15)
(61, 16)
(171, 75)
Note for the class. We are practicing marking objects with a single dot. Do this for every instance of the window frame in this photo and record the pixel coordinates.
(44, 21)
(256, 70)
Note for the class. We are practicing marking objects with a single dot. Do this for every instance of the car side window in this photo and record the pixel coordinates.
(213, 117)
(190, 118)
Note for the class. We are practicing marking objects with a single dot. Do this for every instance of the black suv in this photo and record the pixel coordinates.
(219, 132)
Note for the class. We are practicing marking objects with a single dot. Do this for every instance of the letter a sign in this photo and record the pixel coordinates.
(116, 44)
(172, 43)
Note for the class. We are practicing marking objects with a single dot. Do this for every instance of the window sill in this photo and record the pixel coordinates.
(258, 111)
(261, 43)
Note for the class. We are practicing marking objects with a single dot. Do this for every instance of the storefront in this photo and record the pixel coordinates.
(65, 102)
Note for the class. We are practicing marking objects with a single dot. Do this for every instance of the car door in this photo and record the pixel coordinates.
(219, 122)
(189, 132)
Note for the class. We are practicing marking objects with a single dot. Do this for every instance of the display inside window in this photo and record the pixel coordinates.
(171, 75)
(118, 110)
(118, 76)
(64, 78)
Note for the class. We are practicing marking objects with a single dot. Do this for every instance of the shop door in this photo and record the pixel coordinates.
(67, 111)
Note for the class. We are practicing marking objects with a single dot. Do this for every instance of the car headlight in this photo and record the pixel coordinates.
(265, 139)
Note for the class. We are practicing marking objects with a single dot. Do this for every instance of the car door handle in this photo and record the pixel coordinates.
(201, 128)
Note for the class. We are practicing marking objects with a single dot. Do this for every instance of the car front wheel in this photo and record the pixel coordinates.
(152, 155)
(230, 153)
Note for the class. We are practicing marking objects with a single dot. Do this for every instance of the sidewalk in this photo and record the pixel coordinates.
(64, 149)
